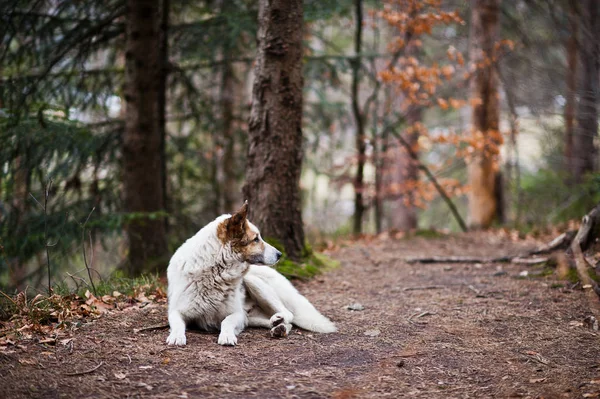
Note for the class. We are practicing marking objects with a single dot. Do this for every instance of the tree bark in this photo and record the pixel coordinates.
(275, 129)
(404, 173)
(572, 54)
(485, 115)
(584, 150)
(143, 142)
(162, 98)
(228, 91)
(361, 147)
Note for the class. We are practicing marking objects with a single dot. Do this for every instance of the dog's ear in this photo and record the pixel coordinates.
(237, 222)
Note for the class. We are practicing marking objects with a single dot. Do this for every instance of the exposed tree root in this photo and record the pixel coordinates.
(588, 231)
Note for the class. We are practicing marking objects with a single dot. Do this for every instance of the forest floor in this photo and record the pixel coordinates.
(478, 330)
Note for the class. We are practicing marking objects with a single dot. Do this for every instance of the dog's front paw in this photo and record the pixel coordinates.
(281, 318)
(176, 339)
(228, 339)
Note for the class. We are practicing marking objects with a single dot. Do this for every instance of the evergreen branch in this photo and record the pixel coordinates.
(71, 42)
(184, 67)
(53, 17)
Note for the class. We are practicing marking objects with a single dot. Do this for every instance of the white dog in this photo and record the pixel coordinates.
(214, 282)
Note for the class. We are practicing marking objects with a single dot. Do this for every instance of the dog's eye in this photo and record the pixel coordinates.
(257, 239)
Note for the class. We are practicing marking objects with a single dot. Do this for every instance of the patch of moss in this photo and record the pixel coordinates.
(557, 286)
(547, 271)
(311, 264)
(593, 275)
(428, 233)
(572, 276)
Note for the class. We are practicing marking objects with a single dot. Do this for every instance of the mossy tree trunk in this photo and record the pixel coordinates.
(275, 129)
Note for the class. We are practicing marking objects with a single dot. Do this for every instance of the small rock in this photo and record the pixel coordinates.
(356, 307)
(524, 273)
(591, 322)
(290, 387)
(372, 333)
(400, 364)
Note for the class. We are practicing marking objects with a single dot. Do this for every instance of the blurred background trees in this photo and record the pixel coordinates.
(141, 110)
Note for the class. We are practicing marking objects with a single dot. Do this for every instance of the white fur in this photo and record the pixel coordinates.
(212, 286)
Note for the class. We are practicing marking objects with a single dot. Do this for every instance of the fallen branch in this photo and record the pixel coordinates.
(529, 261)
(560, 242)
(427, 287)
(151, 328)
(85, 371)
(419, 315)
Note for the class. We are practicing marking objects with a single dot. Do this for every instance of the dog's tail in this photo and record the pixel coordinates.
(305, 314)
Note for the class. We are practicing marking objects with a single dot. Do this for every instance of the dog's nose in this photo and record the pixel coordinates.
(278, 255)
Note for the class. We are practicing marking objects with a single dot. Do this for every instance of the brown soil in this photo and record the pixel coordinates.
(472, 333)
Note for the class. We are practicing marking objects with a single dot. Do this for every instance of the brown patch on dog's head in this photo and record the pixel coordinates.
(235, 226)
(244, 240)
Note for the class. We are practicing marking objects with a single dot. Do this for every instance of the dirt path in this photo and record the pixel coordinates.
(476, 332)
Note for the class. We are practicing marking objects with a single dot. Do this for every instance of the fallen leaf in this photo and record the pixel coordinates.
(537, 380)
(120, 376)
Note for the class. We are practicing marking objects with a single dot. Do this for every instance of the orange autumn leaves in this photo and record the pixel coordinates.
(415, 18)
(418, 84)
(48, 317)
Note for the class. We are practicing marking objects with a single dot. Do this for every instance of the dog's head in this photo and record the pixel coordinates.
(245, 239)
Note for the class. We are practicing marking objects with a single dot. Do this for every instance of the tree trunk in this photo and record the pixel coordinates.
(228, 91)
(163, 33)
(584, 151)
(361, 147)
(572, 54)
(483, 167)
(404, 173)
(143, 142)
(275, 129)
